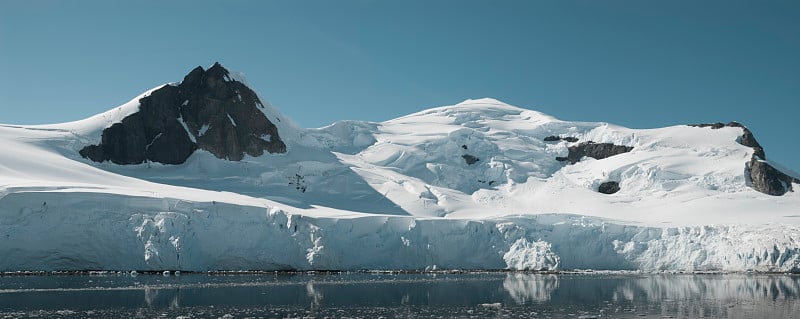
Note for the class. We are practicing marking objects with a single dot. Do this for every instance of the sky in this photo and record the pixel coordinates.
(640, 64)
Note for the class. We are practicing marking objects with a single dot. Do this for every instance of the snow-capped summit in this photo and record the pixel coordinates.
(472, 110)
(208, 110)
(203, 174)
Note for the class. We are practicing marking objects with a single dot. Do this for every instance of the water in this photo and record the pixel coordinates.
(368, 295)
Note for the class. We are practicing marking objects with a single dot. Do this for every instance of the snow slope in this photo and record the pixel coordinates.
(400, 194)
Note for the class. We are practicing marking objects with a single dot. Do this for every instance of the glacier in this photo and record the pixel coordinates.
(467, 186)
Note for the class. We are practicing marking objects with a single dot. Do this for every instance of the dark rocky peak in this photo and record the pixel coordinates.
(208, 110)
(194, 78)
(215, 77)
(216, 83)
(217, 71)
(593, 150)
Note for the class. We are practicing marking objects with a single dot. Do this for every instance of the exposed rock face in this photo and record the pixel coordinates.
(593, 150)
(767, 179)
(470, 159)
(761, 176)
(749, 140)
(553, 138)
(208, 110)
(715, 126)
(610, 187)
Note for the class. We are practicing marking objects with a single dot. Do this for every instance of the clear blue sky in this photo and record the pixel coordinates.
(635, 63)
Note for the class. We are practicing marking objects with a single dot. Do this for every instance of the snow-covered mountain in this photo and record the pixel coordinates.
(205, 175)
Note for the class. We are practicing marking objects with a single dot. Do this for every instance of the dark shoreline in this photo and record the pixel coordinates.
(377, 272)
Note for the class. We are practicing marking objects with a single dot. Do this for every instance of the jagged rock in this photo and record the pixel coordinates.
(593, 150)
(221, 115)
(609, 187)
(767, 179)
(748, 139)
(136, 139)
(470, 159)
(553, 138)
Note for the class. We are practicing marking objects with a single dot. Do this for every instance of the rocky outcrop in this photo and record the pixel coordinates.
(609, 187)
(593, 150)
(767, 179)
(208, 110)
(553, 138)
(470, 159)
(760, 175)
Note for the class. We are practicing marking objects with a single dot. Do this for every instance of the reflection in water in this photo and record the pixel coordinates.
(524, 288)
(666, 287)
(158, 297)
(314, 295)
(406, 295)
(732, 296)
(150, 295)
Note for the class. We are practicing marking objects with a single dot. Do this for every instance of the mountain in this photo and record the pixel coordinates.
(208, 111)
(204, 175)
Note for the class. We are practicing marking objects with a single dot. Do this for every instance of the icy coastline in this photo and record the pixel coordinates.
(84, 231)
(479, 185)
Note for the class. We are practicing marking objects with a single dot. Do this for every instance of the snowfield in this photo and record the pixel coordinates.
(468, 186)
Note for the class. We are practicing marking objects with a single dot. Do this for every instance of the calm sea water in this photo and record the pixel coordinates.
(367, 295)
